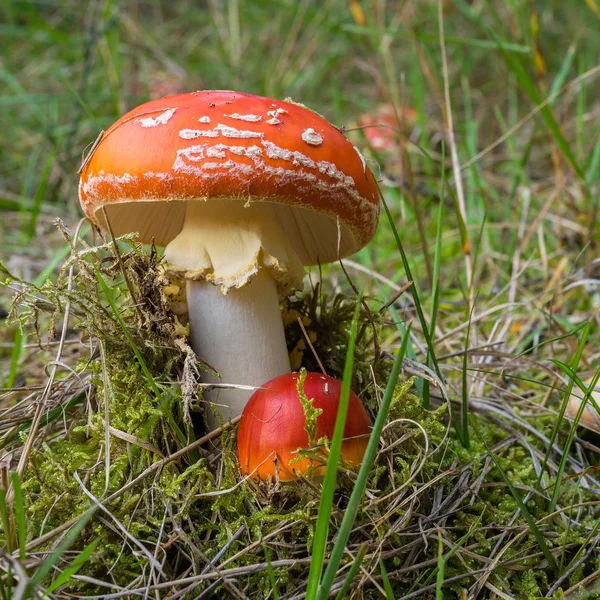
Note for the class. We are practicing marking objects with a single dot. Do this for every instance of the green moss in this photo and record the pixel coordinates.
(526, 585)
(311, 414)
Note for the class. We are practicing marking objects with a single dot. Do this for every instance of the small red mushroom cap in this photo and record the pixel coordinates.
(273, 427)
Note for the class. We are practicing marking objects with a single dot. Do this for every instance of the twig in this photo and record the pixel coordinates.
(310, 344)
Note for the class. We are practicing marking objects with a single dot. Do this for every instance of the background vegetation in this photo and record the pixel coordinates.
(481, 120)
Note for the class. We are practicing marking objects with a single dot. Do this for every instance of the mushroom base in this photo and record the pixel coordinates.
(240, 335)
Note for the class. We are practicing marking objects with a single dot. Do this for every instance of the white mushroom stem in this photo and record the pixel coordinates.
(240, 335)
(231, 255)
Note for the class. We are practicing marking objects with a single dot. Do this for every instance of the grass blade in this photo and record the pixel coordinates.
(326, 502)
(431, 37)
(592, 171)
(45, 568)
(389, 592)
(363, 475)
(34, 210)
(48, 417)
(565, 67)
(19, 514)
(410, 351)
(587, 390)
(437, 259)
(66, 574)
(567, 395)
(271, 572)
(5, 521)
(58, 258)
(413, 289)
(15, 357)
(136, 351)
(441, 568)
(464, 429)
(352, 572)
(453, 550)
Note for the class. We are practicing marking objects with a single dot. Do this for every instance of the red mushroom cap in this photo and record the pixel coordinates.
(228, 145)
(273, 426)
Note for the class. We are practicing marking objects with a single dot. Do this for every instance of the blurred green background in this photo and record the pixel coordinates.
(69, 69)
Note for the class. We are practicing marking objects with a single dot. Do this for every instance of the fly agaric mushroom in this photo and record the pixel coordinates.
(274, 427)
(243, 191)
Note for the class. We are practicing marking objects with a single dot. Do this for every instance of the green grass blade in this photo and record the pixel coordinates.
(352, 572)
(68, 572)
(410, 351)
(363, 475)
(69, 539)
(34, 210)
(68, 85)
(441, 568)
(432, 37)
(520, 175)
(326, 502)
(413, 289)
(565, 67)
(587, 390)
(5, 520)
(15, 357)
(389, 592)
(582, 547)
(437, 259)
(465, 388)
(35, 110)
(27, 183)
(4, 593)
(399, 324)
(58, 258)
(522, 506)
(461, 542)
(592, 170)
(552, 340)
(10, 205)
(567, 394)
(48, 417)
(19, 515)
(109, 296)
(271, 572)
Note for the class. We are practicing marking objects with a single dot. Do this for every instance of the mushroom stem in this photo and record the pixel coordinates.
(240, 335)
(231, 254)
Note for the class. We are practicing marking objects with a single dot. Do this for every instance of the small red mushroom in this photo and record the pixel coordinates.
(386, 127)
(273, 427)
